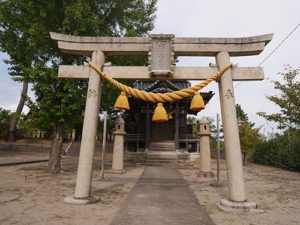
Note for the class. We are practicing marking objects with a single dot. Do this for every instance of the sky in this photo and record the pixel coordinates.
(219, 18)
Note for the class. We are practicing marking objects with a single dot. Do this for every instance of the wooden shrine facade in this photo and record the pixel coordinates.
(145, 135)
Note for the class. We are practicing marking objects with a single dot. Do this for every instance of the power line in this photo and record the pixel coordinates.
(275, 49)
(280, 44)
(265, 59)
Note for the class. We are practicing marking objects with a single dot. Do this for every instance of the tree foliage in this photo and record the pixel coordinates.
(59, 102)
(5, 116)
(249, 136)
(282, 150)
(287, 100)
(213, 129)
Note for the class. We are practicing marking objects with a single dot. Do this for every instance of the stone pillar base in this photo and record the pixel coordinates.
(115, 171)
(81, 201)
(238, 207)
(205, 174)
(217, 185)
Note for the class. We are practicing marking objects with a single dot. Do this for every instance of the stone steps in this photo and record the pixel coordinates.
(162, 146)
(165, 159)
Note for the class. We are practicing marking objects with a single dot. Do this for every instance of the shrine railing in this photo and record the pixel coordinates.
(189, 136)
(133, 137)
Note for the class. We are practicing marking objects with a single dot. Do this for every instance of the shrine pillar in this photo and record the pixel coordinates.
(177, 130)
(147, 129)
(231, 132)
(89, 132)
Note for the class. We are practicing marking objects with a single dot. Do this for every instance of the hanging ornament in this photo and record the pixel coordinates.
(197, 103)
(122, 102)
(160, 114)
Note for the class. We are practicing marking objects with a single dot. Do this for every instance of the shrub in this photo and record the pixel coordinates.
(282, 151)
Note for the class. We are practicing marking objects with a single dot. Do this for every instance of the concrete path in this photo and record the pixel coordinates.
(161, 197)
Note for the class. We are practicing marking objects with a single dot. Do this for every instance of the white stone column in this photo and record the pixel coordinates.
(89, 132)
(231, 133)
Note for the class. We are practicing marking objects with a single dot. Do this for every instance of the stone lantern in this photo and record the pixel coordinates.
(118, 150)
(205, 158)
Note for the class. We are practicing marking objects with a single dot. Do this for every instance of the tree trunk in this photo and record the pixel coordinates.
(56, 148)
(244, 158)
(14, 120)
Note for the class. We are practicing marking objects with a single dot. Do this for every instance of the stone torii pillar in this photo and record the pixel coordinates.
(161, 50)
(231, 132)
(87, 147)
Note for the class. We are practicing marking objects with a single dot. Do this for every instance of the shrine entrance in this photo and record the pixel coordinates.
(162, 131)
(161, 50)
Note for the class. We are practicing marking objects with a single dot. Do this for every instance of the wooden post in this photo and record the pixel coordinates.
(177, 130)
(137, 136)
(73, 134)
(147, 128)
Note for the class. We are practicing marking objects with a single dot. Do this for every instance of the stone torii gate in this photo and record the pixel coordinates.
(161, 49)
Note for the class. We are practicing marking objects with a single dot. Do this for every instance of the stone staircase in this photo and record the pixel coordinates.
(162, 146)
(164, 159)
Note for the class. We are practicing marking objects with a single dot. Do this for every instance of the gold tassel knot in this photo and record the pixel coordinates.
(197, 103)
(122, 102)
(160, 114)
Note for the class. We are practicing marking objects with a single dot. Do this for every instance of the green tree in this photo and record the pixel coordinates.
(15, 42)
(282, 150)
(194, 121)
(5, 116)
(58, 103)
(241, 115)
(213, 129)
(249, 136)
(287, 100)
(276, 151)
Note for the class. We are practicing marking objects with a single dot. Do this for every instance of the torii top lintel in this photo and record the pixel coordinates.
(122, 46)
(161, 49)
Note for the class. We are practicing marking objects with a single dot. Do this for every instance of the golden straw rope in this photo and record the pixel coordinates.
(161, 97)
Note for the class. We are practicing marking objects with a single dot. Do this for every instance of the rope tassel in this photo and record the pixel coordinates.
(160, 114)
(197, 103)
(122, 102)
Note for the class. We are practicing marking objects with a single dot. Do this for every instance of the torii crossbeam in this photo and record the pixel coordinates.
(161, 49)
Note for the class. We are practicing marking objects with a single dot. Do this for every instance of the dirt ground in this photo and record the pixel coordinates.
(276, 191)
(28, 195)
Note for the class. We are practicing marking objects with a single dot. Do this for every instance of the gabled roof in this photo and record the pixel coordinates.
(161, 86)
